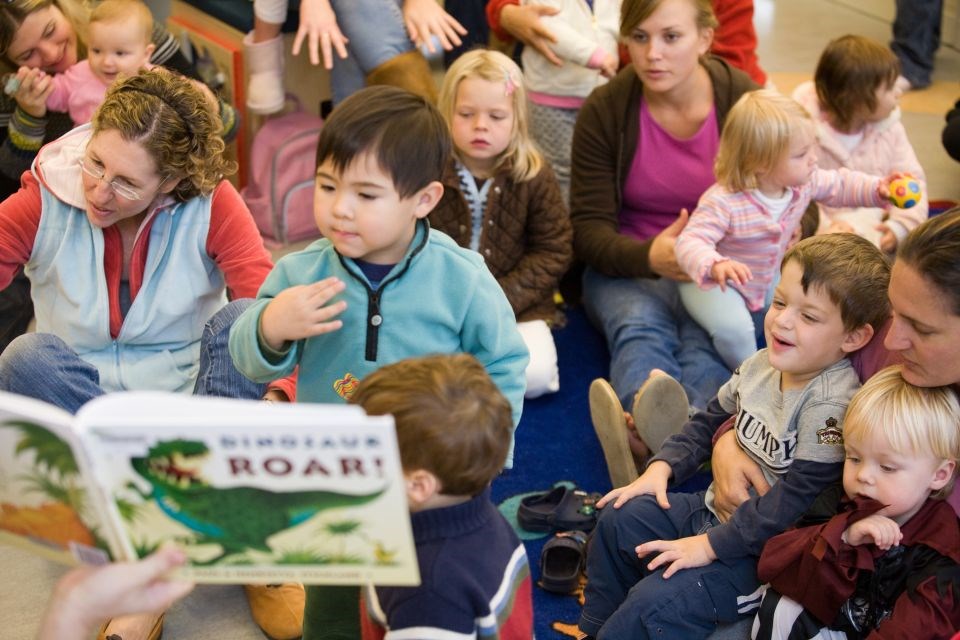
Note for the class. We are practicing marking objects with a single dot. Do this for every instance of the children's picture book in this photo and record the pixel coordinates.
(254, 492)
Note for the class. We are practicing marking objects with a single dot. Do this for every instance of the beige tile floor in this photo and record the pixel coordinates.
(792, 33)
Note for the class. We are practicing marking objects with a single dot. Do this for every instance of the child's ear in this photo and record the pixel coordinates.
(149, 50)
(857, 339)
(943, 474)
(427, 198)
(421, 486)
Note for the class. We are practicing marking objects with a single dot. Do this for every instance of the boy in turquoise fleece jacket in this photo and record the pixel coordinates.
(380, 286)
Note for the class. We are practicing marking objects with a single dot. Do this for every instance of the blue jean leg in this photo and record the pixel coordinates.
(916, 38)
(376, 32)
(626, 601)
(218, 376)
(44, 367)
(646, 327)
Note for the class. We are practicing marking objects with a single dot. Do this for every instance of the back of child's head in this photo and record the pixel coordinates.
(521, 155)
(909, 420)
(451, 418)
(851, 270)
(109, 11)
(849, 72)
(756, 136)
(403, 132)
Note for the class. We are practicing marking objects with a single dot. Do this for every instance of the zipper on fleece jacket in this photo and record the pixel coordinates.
(374, 317)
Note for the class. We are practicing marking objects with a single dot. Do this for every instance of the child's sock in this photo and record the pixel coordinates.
(331, 613)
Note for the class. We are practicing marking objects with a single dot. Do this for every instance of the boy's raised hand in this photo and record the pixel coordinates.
(302, 312)
(685, 553)
(653, 482)
(880, 530)
(736, 272)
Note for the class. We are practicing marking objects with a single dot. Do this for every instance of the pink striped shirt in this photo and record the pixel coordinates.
(735, 226)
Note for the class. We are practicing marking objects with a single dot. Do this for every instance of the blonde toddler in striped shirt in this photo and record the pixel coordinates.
(731, 248)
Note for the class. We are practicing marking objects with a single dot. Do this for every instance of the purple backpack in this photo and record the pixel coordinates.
(279, 191)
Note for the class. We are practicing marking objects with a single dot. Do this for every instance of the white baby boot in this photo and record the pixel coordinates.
(265, 93)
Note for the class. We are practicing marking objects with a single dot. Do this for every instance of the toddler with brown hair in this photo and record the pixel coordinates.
(853, 102)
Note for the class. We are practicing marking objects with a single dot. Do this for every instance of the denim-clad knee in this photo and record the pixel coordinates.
(217, 374)
(646, 327)
(44, 367)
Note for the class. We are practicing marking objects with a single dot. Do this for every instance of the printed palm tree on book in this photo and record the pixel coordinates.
(61, 518)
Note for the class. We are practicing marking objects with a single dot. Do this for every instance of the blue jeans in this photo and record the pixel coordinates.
(376, 32)
(646, 327)
(626, 601)
(916, 38)
(42, 366)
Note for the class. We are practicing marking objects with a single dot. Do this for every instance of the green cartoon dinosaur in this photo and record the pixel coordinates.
(236, 518)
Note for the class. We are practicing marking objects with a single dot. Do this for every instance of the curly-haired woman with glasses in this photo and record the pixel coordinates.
(131, 239)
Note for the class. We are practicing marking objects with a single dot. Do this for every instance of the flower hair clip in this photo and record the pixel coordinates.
(509, 85)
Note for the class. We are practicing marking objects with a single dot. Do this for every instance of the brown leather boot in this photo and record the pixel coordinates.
(277, 609)
(410, 71)
(141, 626)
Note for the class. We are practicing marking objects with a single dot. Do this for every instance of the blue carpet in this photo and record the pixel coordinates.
(555, 443)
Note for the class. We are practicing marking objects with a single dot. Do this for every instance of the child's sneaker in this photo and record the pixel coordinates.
(610, 423)
(265, 93)
(660, 409)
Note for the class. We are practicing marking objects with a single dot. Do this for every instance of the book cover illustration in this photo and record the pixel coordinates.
(45, 500)
(251, 491)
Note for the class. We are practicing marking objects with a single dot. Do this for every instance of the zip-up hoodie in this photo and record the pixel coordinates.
(184, 257)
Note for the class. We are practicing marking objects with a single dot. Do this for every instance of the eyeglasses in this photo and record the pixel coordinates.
(121, 190)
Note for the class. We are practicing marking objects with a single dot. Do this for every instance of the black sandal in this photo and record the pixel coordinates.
(561, 508)
(562, 560)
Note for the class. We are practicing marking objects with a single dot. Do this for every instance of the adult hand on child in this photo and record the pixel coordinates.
(653, 482)
(876, 529)
(736, 272)
(663, 257)
(734, 472)
(35, 87)
(318, 26)
(426, 18)
(301, 312)
(523, 23)
(685, 553)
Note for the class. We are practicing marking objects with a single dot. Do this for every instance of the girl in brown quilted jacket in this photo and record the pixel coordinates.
(501, 198)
